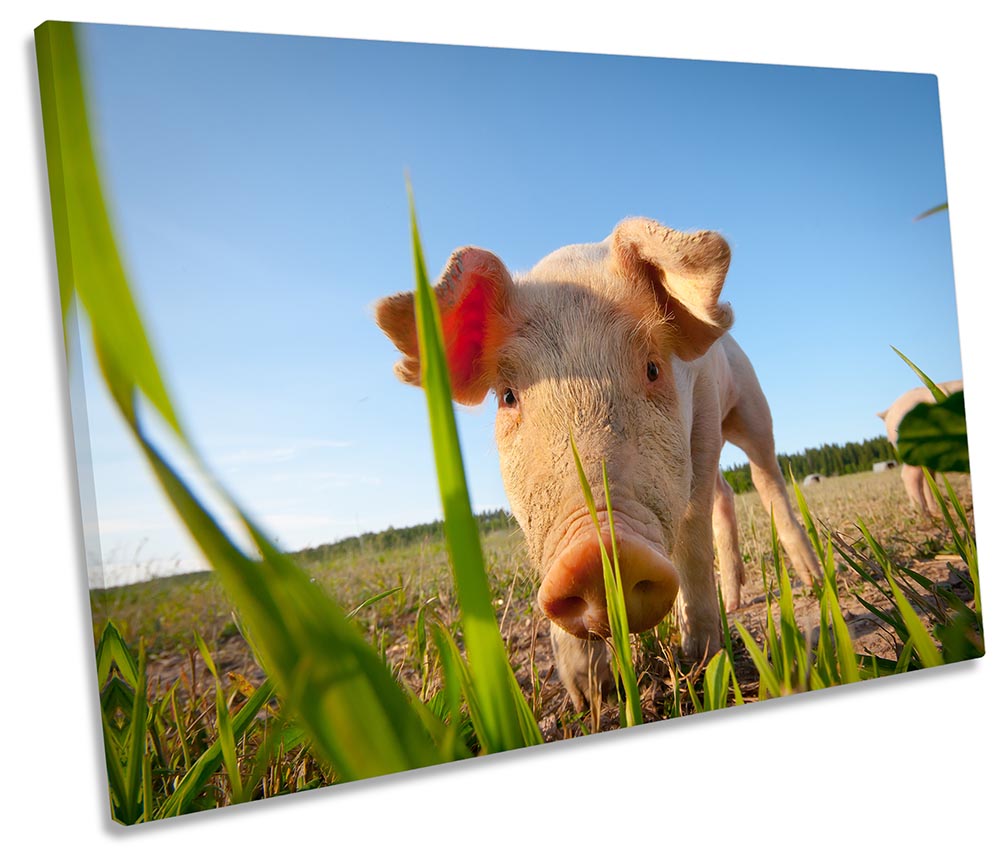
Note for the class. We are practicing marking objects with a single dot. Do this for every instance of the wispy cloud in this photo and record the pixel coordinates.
(257, 455)
(121, 525)
(324, 480)
(276, 452)
(294, 522)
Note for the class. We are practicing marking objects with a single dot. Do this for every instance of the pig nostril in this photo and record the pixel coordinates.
(567, 608)
(645, 586)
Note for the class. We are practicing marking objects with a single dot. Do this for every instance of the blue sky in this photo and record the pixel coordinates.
(257, 187)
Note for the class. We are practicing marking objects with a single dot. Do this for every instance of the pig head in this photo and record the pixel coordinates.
(623, 344)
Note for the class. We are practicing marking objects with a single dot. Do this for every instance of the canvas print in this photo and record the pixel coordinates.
(678, 426)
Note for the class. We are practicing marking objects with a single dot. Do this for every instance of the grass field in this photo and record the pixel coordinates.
(166, 613)
(381, 661)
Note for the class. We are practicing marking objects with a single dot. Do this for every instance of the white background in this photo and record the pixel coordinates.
(911, 759)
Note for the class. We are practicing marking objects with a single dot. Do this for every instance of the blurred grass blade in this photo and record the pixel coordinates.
(87, 258)
(934, 435)
(371, 601)
(488, 663)
(338, 685)
(359, 717)
(936, 210)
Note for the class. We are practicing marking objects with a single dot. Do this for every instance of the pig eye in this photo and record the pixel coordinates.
(652, 371)
(508, 399)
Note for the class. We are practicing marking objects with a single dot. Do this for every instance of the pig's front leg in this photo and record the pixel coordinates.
(698, 607)
(698, 604)
(583, 667)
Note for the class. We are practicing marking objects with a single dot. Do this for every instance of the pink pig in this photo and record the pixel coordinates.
(917, 489)
(625, 344)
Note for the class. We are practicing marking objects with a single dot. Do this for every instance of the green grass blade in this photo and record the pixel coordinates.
(615, 601)
(957, 506)
(117, 790)
(766, 673)
(903, 663)
(181, 730)
(716, 682)
(929, 383)
(138, 724)
(826, 664)
(616, 606)
(457, 672)
(957, 539)
(488, 663)
(738, 698)
(113, 653)
(197, 776)
(811, 527)
(371, 601)
(966, 545)
(924, 644)
(224, 724)
(147, 785)
(847, 661)
(693, 696)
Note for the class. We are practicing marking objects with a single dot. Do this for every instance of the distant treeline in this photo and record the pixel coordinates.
(827, 460)
(393, 538)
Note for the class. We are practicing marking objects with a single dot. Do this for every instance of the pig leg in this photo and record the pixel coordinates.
(698, 604)
(749, 426)
(583, 667)
(917, 490)
(731, 563)
(930, 502)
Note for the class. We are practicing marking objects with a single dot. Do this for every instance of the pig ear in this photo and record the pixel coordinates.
(686, 271)
(472, 298)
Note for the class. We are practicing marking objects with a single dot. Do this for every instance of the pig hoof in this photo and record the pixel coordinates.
(698, 651)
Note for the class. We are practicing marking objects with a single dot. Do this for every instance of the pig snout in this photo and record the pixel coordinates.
(572, 593)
